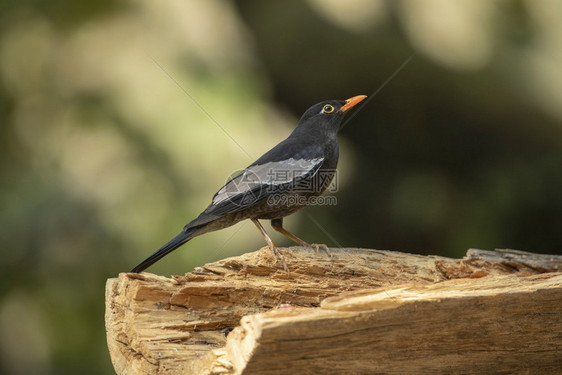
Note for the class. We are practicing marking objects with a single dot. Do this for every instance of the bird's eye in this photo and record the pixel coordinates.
(328, 109)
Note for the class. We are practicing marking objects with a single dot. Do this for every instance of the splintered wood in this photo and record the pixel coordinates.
(357, 312)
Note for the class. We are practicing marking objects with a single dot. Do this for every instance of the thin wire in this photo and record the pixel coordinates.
(322, 229)
(406, 62)
(226, 242)
(200, 106)
(390, 78)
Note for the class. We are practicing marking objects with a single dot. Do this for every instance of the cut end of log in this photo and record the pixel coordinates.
(360, 311)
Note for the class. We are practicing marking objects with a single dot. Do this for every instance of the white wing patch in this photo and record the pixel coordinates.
(263, 175)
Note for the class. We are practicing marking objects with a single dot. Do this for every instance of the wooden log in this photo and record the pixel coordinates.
(359, 311)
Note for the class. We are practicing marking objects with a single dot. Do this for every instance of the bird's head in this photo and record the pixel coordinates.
(328, 115)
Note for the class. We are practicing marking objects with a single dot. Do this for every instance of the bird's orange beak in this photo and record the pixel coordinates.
(352, 102)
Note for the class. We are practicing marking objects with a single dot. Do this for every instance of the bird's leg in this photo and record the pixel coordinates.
(276, 253)
(277, 224)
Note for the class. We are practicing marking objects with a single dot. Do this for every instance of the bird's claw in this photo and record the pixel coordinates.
(279, 257)
(320, 246)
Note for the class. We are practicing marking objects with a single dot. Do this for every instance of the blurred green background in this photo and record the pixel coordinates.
(104, 155)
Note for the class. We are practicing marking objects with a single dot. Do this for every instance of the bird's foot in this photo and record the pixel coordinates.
(320, 246)
(279, 257)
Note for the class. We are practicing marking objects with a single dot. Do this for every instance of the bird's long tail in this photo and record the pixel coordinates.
(184, 236)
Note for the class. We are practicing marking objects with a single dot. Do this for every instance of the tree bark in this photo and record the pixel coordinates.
(356, 312)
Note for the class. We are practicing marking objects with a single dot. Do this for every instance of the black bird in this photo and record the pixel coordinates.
(277, 184)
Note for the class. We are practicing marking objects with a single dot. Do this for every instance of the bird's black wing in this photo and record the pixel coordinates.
(260, 181)
(275, 172)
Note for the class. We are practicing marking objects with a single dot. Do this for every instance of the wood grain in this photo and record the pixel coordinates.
(359, 311)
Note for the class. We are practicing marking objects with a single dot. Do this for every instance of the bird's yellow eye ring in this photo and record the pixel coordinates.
(328, 109)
